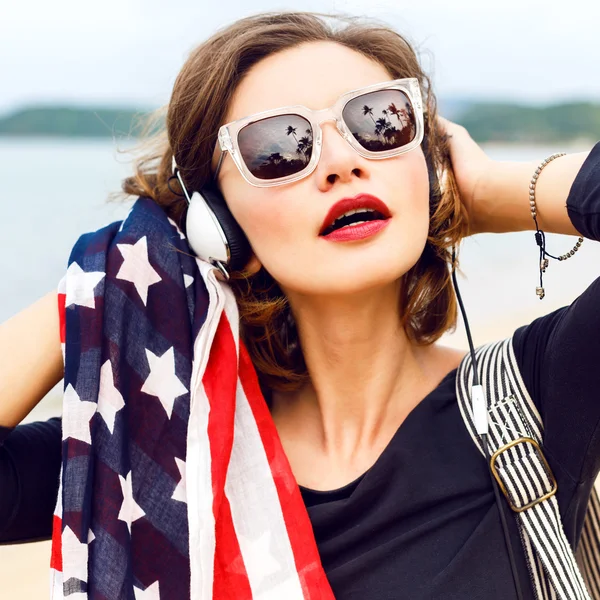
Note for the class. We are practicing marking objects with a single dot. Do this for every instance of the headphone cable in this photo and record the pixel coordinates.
(484, 440)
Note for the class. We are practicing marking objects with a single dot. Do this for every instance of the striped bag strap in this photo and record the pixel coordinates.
(515, 439)
(588, 552)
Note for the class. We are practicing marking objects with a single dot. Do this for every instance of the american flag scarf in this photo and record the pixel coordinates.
(174, 483)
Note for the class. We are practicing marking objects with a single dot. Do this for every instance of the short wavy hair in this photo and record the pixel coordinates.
(200, 99)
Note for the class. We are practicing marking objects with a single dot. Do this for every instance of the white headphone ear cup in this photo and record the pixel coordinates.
(204, 233)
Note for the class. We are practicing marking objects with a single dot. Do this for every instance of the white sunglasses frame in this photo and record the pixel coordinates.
(227, 139)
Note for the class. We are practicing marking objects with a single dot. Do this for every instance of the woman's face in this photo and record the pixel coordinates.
(283, 222)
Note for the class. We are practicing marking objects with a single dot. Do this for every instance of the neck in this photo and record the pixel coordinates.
(365, 374)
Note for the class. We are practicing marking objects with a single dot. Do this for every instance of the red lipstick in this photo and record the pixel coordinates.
(377, 219)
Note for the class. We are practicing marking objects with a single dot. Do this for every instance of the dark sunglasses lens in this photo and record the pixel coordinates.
(276, 146)
(382, 120)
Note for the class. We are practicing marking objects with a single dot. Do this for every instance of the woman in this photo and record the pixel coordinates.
(361, 392)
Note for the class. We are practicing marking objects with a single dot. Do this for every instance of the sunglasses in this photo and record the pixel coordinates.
(283, 145)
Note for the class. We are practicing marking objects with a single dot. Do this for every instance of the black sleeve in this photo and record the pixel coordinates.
(30, 459)
(559, 353)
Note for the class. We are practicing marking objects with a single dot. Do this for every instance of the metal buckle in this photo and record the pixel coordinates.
(553, 484)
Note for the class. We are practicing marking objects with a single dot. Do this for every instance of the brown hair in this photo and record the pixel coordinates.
(201, 95)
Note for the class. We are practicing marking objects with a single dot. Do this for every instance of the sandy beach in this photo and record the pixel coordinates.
(24, 570)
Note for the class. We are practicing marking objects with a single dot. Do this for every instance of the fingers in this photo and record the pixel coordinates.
(443, 123)
(450, 128)
(460, 140)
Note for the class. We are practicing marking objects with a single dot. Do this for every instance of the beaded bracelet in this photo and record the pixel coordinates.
(540, 237)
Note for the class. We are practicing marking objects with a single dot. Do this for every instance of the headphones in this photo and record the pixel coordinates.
(212, 232)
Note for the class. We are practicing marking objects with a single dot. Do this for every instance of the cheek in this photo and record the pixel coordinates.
(410, 184)
(419, 182)
(267, 217)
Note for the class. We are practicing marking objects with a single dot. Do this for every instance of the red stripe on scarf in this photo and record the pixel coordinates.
(220, 383)
(231, 578)
(315, 585)
(56, 552)
(62, 298)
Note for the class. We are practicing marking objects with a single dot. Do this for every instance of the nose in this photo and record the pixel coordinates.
(339, 162)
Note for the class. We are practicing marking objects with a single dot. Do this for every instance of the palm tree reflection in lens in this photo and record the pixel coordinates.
(391, 114)
(278, 165)
(387, 135)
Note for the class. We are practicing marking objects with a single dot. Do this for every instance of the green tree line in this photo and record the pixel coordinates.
(63, 121)
(495, 122)
(487, 122)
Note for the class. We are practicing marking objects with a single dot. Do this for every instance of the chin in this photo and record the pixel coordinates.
(354, 281)
(343, 277)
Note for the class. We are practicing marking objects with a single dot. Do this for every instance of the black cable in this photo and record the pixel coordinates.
(484, 440)
(500, 501)
(175, 192)
(464, 314)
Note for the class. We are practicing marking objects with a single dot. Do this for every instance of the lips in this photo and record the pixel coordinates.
(360, 201)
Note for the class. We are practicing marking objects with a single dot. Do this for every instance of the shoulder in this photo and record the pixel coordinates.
(444, 359)
(557, 358)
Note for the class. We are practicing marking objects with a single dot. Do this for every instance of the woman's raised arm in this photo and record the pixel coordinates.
(30, 358)
(496, 193)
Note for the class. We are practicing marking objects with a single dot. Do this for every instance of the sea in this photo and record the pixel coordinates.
(54, 190)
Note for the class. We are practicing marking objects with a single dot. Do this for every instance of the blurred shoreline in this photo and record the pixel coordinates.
(488, 120)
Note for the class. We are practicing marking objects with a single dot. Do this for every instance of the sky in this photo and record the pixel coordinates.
(128, 52)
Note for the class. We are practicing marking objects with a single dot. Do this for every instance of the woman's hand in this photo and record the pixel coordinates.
(472, 169)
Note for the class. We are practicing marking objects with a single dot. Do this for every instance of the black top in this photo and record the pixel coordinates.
(422, 522)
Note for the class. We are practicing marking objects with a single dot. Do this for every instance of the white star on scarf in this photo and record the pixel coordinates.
(91, 536)
(130, 509)
(180, 491)
(188, 280)
(80, 286)
(258, 558)
(150, 593)
(162, 381)
(77, 415)
(110, 401)
(75, 556)
(136, 267)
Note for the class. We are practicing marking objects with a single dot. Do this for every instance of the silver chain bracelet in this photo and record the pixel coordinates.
(540, 237)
